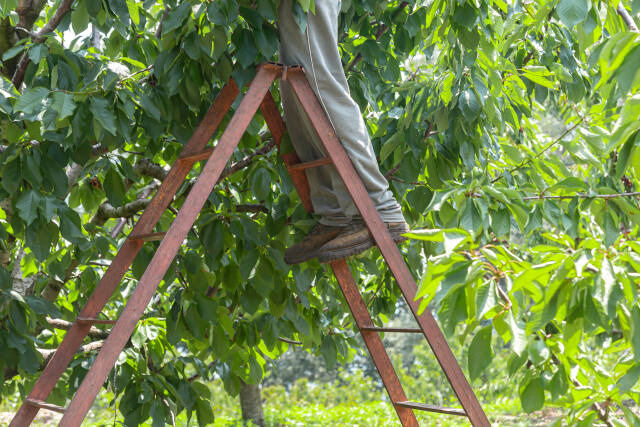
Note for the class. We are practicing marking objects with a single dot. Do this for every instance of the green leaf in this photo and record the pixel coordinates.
(80, 17)
(28, 204)
(329, 351)
(157, 414)
(518, 336)
(176, 17)
(114, 187)
(246, 51)
(30, 360)
(42, 306)
(63, 104)
(55, 176)
(390, 145)
(532, 396)
(32, 169)
(204, 412)
(538, 75)
(626, 154)
(70, 225)
(635, 331)
(501, 222)
(469, 104)
(538, 352)
(37, 52)
(300, 16)
(18, 316)
(264, 279)
(572, 12)
(39, 238)
(32, 100)
(5, 279)
(558, 384)
(119, 7)
(134, 12)
(480, 353)
(12, 52)
(12, 176)
(102, 112)
(261, 184)
(629, 379)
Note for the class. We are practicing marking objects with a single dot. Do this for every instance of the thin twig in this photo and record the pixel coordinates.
(65, 326)
(551, 144)
(584, 196)
(288, 341)
(628, 19)
(159, 30)
(53, 23)
(252, 208)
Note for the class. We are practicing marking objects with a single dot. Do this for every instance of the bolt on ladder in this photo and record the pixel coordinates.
(257, 97)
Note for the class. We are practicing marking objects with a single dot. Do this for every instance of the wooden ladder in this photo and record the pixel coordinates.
(257, 97)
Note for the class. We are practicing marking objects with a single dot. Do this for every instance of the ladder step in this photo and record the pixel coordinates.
(198, 156)
(406, 330)
(432, 408)
(148, 237)
(312, 164)
(44, 405)
(95, 320)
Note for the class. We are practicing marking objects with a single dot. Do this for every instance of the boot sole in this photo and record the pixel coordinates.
(294, 261)
(356, 249)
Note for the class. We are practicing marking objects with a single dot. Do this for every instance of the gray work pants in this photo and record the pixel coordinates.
(317, 51)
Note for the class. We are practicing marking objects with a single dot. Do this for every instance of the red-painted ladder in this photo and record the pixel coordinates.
(257, 97)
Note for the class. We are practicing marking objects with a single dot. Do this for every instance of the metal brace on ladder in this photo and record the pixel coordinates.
(257, 97)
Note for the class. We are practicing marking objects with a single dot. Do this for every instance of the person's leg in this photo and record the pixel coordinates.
(304, 140)
(317, 51)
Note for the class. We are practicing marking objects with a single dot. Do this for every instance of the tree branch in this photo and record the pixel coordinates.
(92, 346)
(106, 211)
(252, 208)
(148, 168)
(628, 19)
(241, 164)
(65, 326)
(164, 15)
(53, 23)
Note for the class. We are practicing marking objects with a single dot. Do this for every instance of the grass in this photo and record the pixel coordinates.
(288, 411)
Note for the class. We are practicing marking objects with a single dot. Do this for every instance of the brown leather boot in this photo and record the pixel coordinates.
(356, 238)
(306, 249)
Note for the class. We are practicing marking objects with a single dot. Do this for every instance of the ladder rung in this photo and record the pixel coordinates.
(95, 320)
(432, 408)
(312, 164)
(44, 405)
(149, 237)
(406, 330)
(198, 156)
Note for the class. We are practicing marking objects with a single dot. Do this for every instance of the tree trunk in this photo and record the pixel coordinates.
(251, 404)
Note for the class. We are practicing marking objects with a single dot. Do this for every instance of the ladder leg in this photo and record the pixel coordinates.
(123, 259)
(373, 342)
(167, 250)
(275, 124)
(387, 247)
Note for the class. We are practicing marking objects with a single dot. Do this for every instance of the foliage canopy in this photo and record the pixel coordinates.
(509, 131)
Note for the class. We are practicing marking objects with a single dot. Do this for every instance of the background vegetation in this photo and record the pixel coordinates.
(509, 131)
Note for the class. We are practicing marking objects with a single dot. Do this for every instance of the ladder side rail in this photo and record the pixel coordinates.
(167, 250)
(373, 342)
(276, 125)
(123, 259)
(387, 247)
(343, 274)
